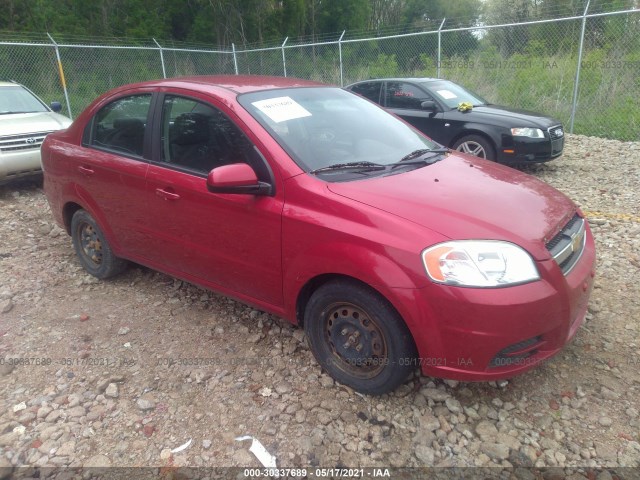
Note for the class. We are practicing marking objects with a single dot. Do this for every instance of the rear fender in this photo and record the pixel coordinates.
(75, 193)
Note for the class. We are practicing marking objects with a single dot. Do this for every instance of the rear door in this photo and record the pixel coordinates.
(226, 241)
(110, 168)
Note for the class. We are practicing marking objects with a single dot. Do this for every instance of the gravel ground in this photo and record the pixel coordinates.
(121, 372)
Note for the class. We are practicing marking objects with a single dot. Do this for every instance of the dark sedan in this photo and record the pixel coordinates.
(462, 120)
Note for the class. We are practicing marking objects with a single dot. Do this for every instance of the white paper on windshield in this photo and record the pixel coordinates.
(446, 94)
(281, 109)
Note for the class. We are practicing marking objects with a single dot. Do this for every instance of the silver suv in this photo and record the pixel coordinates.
(24, 122)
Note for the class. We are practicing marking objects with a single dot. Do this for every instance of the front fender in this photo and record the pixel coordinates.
(474, 128)
(339, 258)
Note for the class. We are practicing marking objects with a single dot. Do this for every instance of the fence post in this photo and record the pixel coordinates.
(439, 47)
(284, 60)
(164, 72)
(340, 54)
(577, 82)
(61, 73)
(235, 59)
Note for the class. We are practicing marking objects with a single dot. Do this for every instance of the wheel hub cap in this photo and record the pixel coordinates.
(472, 148)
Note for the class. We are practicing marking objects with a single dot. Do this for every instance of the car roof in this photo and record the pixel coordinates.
(236, 83)
(401, 79)
(9, 84)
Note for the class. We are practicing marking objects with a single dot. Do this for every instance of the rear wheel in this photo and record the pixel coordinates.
(92, 248)
(477, 146)
(358, 338)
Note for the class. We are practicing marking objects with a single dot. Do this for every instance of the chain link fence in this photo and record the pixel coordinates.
(583, 70)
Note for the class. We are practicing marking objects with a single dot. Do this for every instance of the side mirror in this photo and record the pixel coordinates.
(56, 106)
(428, 105)
(238, 178)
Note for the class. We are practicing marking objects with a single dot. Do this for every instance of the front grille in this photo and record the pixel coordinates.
(556, 132)
(566, 247)
(556, 135)
(29, 141)
(517, 354)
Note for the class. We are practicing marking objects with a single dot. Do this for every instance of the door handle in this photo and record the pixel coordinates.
(167, 195)
(86, 171)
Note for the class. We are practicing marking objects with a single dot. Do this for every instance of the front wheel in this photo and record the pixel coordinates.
(92, 248)
(358, 338)
(477, 146)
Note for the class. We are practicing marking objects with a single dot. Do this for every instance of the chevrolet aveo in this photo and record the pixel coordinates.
(314, 204)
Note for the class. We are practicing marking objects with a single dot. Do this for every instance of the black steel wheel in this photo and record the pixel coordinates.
(92, 247)
(358, 337)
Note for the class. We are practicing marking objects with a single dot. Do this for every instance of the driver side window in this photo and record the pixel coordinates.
(199, 137)
(405, 95)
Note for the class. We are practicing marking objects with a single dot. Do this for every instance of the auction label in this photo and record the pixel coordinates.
(281, 109)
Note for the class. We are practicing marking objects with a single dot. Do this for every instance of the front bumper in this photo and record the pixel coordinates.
(19, 164)
(522, 150)
(490, 334)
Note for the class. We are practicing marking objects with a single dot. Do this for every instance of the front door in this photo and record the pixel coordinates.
(404, 99)
(227, 241)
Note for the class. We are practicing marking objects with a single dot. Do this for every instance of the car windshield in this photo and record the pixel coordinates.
(452, 94)
(19, 100)
(327, 128)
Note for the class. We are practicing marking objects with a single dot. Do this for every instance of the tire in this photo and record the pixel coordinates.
(353, 313)
(477, 146)
(92, 248)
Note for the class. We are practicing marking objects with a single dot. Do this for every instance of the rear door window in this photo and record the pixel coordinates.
(370, 90)
(121, 125)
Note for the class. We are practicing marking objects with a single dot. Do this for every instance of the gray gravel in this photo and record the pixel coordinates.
(121, 372)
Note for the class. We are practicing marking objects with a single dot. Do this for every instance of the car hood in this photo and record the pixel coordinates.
(462, 198)
(513, 117)
(35, 122)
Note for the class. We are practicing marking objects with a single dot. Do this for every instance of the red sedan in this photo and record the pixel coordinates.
(314, 204)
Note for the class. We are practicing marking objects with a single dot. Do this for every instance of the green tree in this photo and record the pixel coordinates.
(293, 18)
(339, 15)
(383, 13)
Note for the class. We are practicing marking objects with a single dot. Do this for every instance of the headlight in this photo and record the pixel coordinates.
(479, 263)
(527, 132)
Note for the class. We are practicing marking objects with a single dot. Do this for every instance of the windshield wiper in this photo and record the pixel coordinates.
(421, 152)
(429, 156)
(350, 165)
